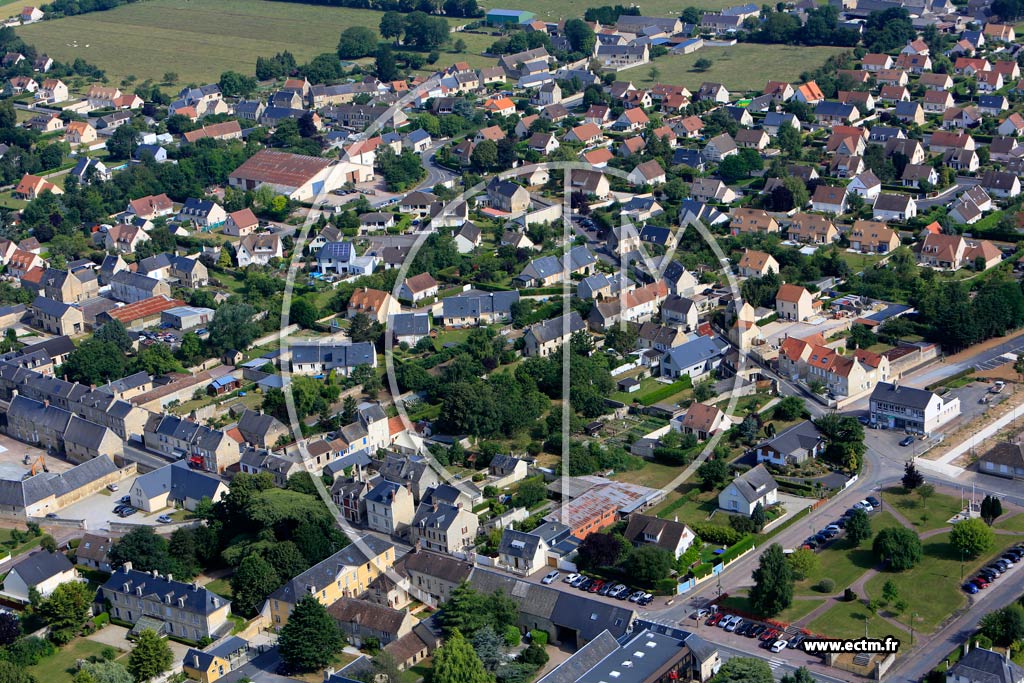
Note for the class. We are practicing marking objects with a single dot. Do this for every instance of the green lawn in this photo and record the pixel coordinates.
(5, 539)
(843, 564)
(220, 587)
(799, 608)
(846, 620)
(932, 588)
(695, 510)
(934, 514)
(652, 474)
(60, 666)
(1015, 523)
(746, 66)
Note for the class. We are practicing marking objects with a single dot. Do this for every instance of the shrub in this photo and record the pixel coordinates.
(539, 637)
(982, 641)
(512, 637)
(826, 586)
(702, 570)
(849, 595)
(717, 535)
(665, 586)
(29, 651)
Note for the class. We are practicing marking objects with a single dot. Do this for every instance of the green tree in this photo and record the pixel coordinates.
(385, 65)
(304, 314)
(123, 143)
(392, 24)
(456, 662)
(254, 580)
(924, 492)
(714, 473)
(1004, 626)
(858, 528)
(580, 36)
(648, 563)
(789, 409)
(991, 509)
(65, 610)
(356, 42)
(704, 391)
(115, 333)
(803, 563)
(890, 591)
(485, 156)
(232, 327)
(150, 657)
(12, 673)
(600, 550)
(311, 637)
(900, 547)
(773, 583)
(744, 670)
(106, 672)
(530, 492)
(702, 64)
(911, 477)
(972, 537)
(95, 362)
(758, 517)
(10, 628)
(234, 84)
(801, 675)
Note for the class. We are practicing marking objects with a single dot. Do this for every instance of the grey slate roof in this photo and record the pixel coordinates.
(518, 544)
(583, 660)
(344, 355)
(326, 571)
(407, 324)
(553, 328)
(985, 666)
(54, 309)
(84, 433)
(755, 483)
(800, 437)
(474, 303)
(156, 588)
(180, 480)
(901, 395)
(40, 566)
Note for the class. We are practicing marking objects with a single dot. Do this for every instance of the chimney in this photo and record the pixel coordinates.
(126, 567)
(967, 647)
(170, 577)
(46, 403)
(195, 661)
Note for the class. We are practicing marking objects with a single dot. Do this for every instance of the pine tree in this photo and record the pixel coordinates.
(456, 662)
(310, 638)
(911, 477)
(758, 517)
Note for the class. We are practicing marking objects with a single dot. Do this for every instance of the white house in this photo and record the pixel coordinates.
(41, 570)
(747, 490)
(910, 409)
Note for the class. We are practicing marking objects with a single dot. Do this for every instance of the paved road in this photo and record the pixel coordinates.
(948, 195)
(436, 174)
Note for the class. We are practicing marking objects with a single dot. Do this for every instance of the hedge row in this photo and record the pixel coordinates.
(663, 392)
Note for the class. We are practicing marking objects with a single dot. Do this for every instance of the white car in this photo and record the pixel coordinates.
(551, 576)
(778, 646)
(570, 578)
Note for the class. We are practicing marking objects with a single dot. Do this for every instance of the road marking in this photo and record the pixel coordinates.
(774, 663)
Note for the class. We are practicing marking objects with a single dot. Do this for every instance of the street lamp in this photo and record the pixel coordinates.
(913, 617)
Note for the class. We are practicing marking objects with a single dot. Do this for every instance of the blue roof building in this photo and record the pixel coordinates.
(509, 16)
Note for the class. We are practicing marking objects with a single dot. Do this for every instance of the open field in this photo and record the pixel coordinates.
(843, 564)
(148, 39)
(1014, 523)
(934, 513)
(747, 66)
(799, 608)
(60, 666)
(846, 620)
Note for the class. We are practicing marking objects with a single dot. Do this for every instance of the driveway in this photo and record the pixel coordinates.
(98, 509)
(116, 636)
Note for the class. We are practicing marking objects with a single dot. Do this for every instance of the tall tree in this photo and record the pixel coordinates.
(858, 528)
(911, 477)
(456, 662)
(356, 42)
(150, 657)
(310, 638)
(252, 583)
(900, 547)
(65, 610)
(773, 583)
(971, 537)
(744, 670)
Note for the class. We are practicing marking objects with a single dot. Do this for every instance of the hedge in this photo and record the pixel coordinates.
(717, 535)
(663, 392)
(702, 570)
(737, 549)
(666, 586)
(539, 637)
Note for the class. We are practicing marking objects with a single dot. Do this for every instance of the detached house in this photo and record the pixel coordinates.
(674, 537)
(793, 302)
(753, 487)
(794, 446)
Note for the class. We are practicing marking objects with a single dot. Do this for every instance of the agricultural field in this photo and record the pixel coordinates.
(198, 39)
(746, 66)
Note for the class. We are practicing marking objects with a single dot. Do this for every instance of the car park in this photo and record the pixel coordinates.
(585, 584)
(970, 588)
(874, 501)
(778, 646)
(726, 620)
(550, 577)
(979, 582)
(796, 640)
(595, 586)
(605, 589)
(699, 614)
(646, 600)
(575, 583)
(988, 575)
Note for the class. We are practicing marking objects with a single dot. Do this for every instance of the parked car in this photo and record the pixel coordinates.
(125, 499)
(778, 646)
(699, 614)
(796, 640)
(979, 582)
(1012, 559)
(906, 441)
(585, 583)
(605, 589)
(715, 619)
(726, 620)
(52, 515)
(734, 624)
(164, 519)
(646, 600)
(595, 585)
(970, 588)
(550, 577)
(756, 631)
(570, 578)
(635, 596)
(112, 487)
(874, 501)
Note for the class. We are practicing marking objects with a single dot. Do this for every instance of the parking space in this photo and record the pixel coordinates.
(16, 459)
(98, 509)
(560, 583)
(1001, 359)
(991, 572)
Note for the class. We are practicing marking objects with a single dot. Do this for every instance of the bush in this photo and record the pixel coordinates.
(825, 586)
(29, 651)
(512, 636)
(665, 586)
(539, 637)
(982, 641)
(101, 619)
(702, 570)
(849, 595)
(717, 535)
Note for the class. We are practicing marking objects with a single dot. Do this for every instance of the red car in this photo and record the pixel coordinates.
(770, 634)
(596, 586)
(715, 618)
(979, 582)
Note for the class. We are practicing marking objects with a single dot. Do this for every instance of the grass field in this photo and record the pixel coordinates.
(934, 514)
(747, 66)
(846, 620)
(799, 608)
(652, 474)
(1014, 523)
(60, 666)
(198, 39)
(843, 564)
